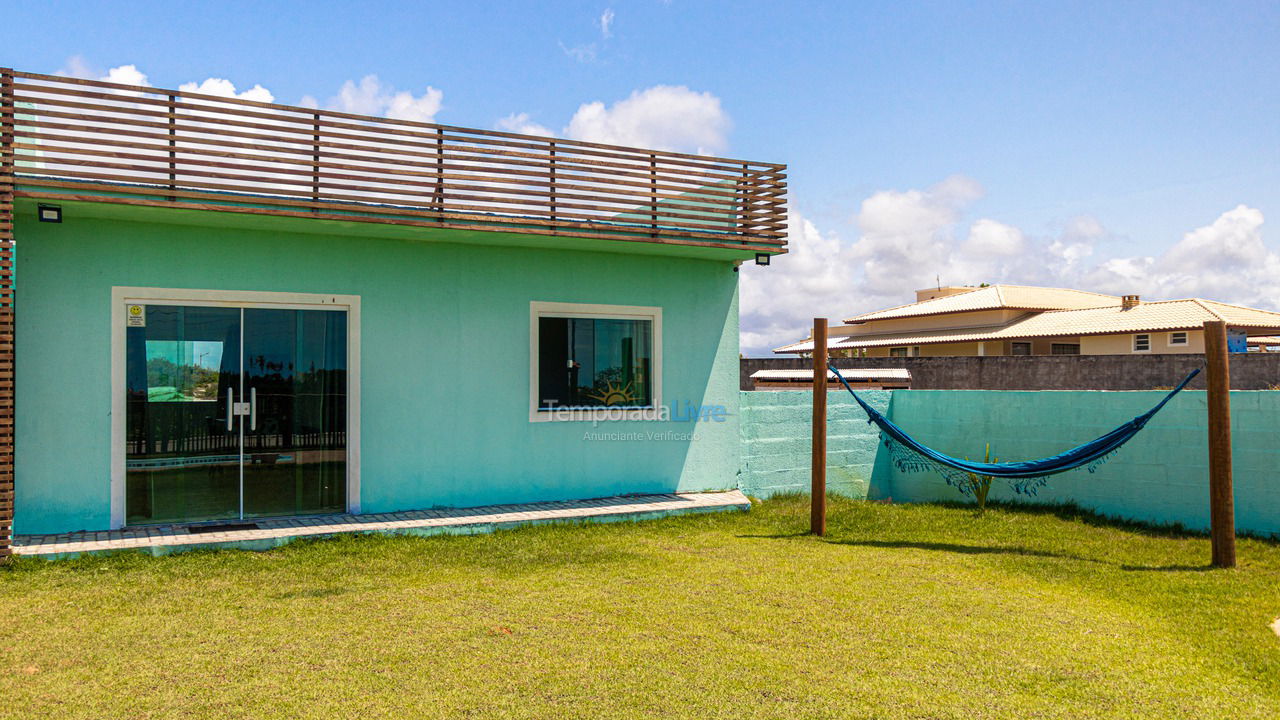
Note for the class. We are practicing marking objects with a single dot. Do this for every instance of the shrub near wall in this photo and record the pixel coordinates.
(776, 448)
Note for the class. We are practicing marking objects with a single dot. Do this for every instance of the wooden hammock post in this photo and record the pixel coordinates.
(818, 473)
(1222, 513)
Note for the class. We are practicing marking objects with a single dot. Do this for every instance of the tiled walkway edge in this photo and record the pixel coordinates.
(271, 533)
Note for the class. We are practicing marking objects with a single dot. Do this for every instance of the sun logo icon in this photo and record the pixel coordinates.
(614, 394)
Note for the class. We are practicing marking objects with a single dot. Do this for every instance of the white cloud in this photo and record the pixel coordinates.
(126, 75)
(521, 123)
(912, 239)
(908, 237)
(581, 53)
(1225, 260)
(78, 67)
(778, 302)
(371, 97)
(587, 53)
(663, 117)
(989, 238)
(225, 88)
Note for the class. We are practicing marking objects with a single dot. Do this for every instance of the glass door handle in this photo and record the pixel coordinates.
(230, 409)
(253, 408)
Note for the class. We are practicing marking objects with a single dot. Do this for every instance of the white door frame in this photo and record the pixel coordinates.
(121, 297)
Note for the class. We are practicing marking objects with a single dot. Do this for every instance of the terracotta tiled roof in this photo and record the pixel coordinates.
(997, 297)
(1148, 316)
(916, 337)
(1145, 317)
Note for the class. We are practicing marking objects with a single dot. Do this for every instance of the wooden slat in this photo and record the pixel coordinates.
(200, 114)
(304, 146)
(335, 114)
(55, 154)
(524, 206)
(6, 313)
(700, 196)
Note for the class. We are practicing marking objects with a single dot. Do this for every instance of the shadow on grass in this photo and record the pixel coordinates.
(983, 550)
(961, 549)
(1167, 568)
(932, 546)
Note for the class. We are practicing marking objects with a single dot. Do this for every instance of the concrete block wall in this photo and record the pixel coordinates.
(776, 448)
(1249, 371)
(1160, 477)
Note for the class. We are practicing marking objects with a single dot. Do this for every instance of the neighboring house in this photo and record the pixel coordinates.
(1264, 343)
(232, 309)
(1020, 320)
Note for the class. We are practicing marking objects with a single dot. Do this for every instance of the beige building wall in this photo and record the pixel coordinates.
(990, 348)
(949, 350)
(1123, 344)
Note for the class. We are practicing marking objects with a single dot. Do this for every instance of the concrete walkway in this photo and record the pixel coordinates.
(273, 532)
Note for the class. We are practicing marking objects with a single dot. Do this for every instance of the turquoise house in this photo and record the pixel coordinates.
(228, 310)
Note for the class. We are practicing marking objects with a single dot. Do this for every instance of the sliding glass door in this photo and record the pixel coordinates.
(295, 374)
(234, 413)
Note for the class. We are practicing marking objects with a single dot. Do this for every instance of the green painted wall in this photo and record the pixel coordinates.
(1161, 476)
(776, 443)
(445, 358)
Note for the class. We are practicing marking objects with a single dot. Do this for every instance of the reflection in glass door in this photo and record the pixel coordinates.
(182, 371)
(295, 374)
(215, 432)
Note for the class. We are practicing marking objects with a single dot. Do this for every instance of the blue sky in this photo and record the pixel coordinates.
(1102, 145)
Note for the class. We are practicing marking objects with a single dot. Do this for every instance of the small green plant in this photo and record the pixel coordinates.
(981, 484)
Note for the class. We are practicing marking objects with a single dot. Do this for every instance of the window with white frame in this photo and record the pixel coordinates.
(1142, 343)
(1178, 338)
(594, 361)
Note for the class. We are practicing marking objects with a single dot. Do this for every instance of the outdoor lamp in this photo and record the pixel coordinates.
(762, 258)
(49, 213)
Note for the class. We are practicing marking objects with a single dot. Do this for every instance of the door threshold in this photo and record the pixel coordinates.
(221, 527)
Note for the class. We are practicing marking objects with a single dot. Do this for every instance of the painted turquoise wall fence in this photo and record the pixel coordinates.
(1161, 476)
(776, 443)
(445, 359)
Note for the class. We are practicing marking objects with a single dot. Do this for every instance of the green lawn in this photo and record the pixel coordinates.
(901, 612)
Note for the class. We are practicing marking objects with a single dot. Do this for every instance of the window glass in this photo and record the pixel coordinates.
(1178, 338)
(1064, 349)
(1141, 342)
(594, 362)
(1020, 348)
(897, 352)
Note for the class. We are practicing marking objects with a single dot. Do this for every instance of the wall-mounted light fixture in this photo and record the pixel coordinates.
(49, 213)
(762, 258)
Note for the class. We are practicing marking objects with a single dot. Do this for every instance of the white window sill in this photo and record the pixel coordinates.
(616, 414)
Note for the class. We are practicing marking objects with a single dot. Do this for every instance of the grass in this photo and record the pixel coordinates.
(902, 611)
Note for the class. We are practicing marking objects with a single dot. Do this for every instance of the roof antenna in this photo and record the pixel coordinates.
(939, 279)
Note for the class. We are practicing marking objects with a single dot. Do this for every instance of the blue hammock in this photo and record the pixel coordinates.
(1025, 476)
